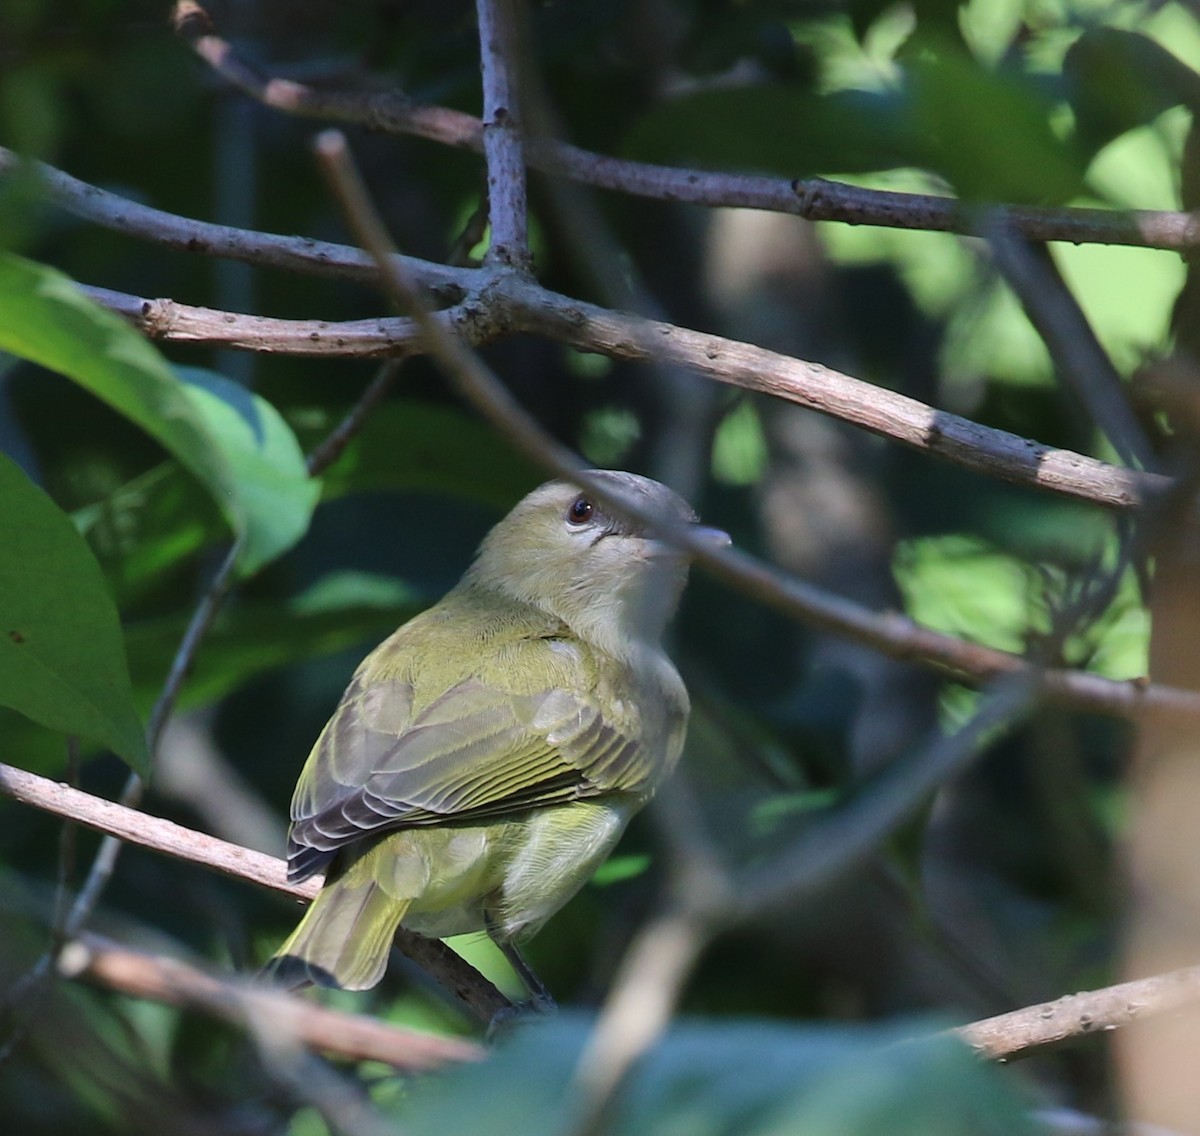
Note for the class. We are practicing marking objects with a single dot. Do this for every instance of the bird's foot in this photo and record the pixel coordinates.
(539, 1007)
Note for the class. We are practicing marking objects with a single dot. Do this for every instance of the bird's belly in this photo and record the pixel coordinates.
(518, 872)
(557, 853)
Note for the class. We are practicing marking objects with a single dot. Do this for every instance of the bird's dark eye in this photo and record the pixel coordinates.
(580, 512)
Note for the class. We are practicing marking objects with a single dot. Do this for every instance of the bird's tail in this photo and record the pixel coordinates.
(343, 939)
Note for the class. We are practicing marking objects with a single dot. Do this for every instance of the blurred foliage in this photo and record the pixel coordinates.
(1001, 895)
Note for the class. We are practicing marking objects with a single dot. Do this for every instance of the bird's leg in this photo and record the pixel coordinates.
(540, 998)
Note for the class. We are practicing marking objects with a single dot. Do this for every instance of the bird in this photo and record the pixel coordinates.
(485, 758)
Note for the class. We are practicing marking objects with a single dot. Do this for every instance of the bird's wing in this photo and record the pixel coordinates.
(481, 750)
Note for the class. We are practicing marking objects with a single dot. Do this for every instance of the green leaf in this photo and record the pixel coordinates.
(776, 128)
(1119, 80)
(339, 611)
(62, 657)
(744, 1077)
(154, 524)
(149, 528)
(412, 446)
(275, 493)
(962, 586)
(234, 443)
(1017, 157)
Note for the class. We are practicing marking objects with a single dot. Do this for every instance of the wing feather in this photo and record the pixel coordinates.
(480, 750)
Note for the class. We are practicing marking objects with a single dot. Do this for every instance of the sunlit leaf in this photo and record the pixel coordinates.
(232, 441)
(274, 490)
(962, 586)
(1016, 158)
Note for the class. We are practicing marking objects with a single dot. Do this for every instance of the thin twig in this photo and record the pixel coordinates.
(327, 452)
(175, 322)
(845, 837)
(503, 130)
(816, 199)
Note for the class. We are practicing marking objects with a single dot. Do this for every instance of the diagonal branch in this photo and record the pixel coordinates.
(816, 199)
(184, 234)
(1071, 341)
(176, 983)
(504, 305)
(130, 826)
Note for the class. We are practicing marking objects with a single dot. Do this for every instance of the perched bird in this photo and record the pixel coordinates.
(487, 756)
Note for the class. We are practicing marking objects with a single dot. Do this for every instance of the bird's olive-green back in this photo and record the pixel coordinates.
(482, 708)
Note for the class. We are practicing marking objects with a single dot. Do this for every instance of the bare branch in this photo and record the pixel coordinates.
(1082, 361)
(503, 129)
(984, 449)
(133, 827)
(290, 254)
(503, 305)
(586, 327)
(814, 198)
(176, 983)
(1077, 1015)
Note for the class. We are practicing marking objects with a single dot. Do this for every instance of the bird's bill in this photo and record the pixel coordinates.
(707, 536)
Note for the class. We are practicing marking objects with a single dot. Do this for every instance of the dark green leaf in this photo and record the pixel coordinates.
(988, 131)
(62, 658)
(1121, 80)
(776, 129)
(253, 638)
(417, 447)
(148, 528)
(748, 1078)
(159, 520)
